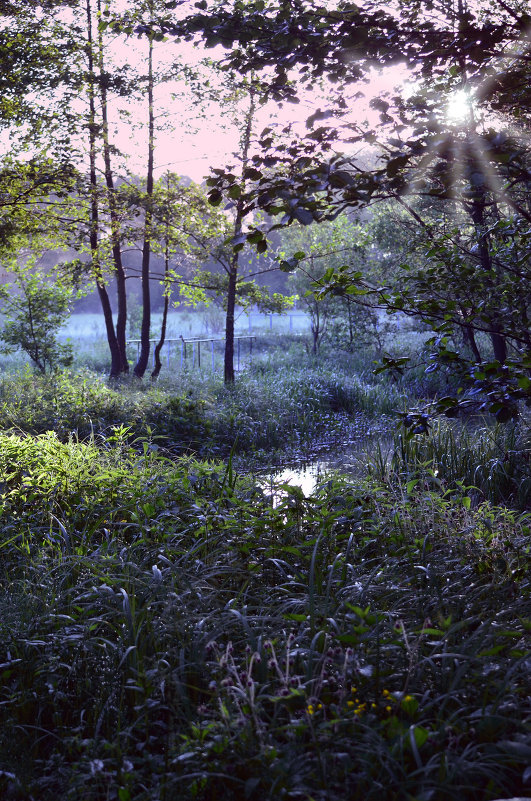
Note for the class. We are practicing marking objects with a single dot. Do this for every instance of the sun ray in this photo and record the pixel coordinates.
(459, 106)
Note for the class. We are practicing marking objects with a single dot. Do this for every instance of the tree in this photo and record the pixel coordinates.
(115, 335)
(304, 179)
(315, 251)
(186, 232)
(35, 307)
(196, 241)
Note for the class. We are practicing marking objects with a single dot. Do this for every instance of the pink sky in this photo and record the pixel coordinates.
(200, 143)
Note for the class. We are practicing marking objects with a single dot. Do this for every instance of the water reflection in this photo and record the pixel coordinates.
(307, 475)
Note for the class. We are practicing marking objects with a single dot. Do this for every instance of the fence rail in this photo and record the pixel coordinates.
(196, 348)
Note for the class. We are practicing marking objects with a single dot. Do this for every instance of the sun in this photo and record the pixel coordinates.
(459, 106)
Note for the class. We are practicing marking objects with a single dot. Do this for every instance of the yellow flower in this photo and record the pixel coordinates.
(310, 709)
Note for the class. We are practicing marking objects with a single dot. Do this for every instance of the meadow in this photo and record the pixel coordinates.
(172, 631)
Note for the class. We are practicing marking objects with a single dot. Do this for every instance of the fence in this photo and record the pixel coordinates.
(196, 349)
(278, 322)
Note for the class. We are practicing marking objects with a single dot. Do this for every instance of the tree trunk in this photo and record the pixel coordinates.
(94, 211)
(234, 263)
(229, 322)
(121, 296)
(316, 329)
(160, 343)
(499, 344)
(141, 365)
(470, 340)
(350, 323)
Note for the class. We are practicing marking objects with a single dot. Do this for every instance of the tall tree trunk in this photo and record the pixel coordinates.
(141, 365)
(470, 339)
(229, 321)
(350, 323)
(160, 343)
(94, 210)
(121, 296)
(234, 262)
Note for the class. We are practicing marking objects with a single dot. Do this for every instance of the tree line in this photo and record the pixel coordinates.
(447, 196)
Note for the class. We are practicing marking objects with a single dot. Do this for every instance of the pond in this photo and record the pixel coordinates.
(308, 473)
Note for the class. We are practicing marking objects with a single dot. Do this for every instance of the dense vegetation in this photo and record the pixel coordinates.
(176, 622)
(169, 632)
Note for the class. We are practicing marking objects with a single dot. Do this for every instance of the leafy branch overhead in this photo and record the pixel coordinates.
(465, 183)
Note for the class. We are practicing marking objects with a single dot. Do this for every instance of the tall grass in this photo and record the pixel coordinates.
(281, 402)
(166, 633)
(491, 461)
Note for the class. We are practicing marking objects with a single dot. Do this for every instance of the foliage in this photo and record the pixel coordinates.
(281, 403)
(80, 404)
(312, 254)
(492, 461)
(481, 173)
(34, 308)
(167, 631)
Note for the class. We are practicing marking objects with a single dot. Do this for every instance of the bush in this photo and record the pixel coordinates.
(35, 307)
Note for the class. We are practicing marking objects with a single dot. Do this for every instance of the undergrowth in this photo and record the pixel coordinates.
(277, 404)
(489, 462)
(168, 633)
(169, 630)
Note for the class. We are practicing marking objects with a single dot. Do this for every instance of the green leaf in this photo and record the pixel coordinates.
(215, 197)
(421, 735)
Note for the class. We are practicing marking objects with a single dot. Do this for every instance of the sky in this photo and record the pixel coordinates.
(197, 141)
(191, 140)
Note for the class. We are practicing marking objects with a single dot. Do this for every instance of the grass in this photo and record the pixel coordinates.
(166, 632)
(280, 404)
(488, 462)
